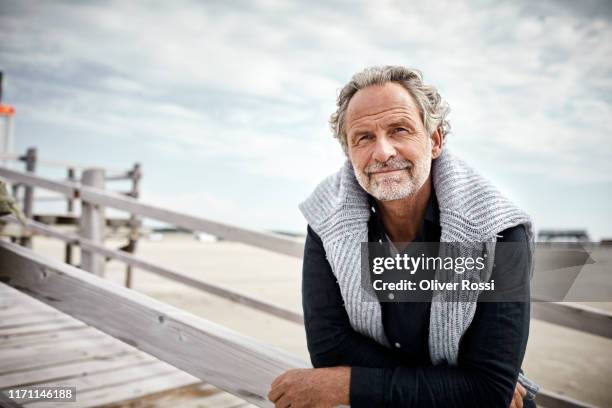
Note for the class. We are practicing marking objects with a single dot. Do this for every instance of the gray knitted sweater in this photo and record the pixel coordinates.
(472, 212)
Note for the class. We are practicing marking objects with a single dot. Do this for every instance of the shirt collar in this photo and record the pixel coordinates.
(432, 213)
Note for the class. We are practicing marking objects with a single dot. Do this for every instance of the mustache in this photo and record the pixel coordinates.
(394, 163)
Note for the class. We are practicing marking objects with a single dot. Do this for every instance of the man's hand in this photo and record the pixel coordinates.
(519, 394)
(311, 387)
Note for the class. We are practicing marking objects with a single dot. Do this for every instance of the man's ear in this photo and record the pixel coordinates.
(436, 143)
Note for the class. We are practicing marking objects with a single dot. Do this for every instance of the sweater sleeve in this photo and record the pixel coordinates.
(490, 355)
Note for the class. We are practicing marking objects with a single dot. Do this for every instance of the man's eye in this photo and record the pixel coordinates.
(399, 129)
(363, 138)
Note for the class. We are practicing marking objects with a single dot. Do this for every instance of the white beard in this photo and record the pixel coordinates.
(395, 185)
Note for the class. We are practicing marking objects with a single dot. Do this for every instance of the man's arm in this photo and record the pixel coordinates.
(330, 337)
(489, 362)
(490, 356)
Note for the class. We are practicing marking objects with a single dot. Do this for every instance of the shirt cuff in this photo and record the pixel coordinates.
(367, 387)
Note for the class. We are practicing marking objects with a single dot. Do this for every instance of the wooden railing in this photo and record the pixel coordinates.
(72, 169)
(138, 262)
(224, 358)
(265, 240)
(189, 336)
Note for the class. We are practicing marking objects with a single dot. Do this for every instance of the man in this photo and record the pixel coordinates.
(400, 185)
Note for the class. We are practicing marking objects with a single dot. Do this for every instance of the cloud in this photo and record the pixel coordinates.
(253, 83)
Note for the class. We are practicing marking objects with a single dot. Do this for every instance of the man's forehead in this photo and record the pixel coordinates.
(381, 100)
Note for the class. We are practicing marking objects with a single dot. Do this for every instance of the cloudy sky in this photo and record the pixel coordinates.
(225, 104)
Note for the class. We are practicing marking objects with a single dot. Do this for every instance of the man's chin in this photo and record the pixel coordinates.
(387, 199)
(388, 193)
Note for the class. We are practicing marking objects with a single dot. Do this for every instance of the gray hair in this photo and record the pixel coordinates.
(433, 109)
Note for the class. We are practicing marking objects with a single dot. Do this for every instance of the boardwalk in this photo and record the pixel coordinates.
(42, 346)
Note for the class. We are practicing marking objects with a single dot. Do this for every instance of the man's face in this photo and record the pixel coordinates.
(388, 145)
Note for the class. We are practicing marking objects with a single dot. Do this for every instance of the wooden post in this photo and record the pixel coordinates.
(15, 193)
(28, 199)
(136, 175)
(92, 222)
(70, 205)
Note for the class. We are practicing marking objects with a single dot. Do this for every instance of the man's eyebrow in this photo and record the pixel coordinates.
(359, 132)
(400, 122)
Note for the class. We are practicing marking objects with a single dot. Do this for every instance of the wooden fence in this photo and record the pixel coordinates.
(88, 175)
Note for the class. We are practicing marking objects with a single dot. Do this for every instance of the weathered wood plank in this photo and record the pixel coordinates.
(9, 299)
(67, 346)
(67, 189)
(28, 317)
(12, 306)
(119, 377)
(575, 316)
(13, 301)
(215, 289)
(31, 320)
(92, 224)
(125, 392)
(22, 341)
(178, 397)
(41, 328)
(236, 363)
(92, 373)
(219, 400)
(46, 355)
(16, 309)
(6, 290)
(59, 163)
(265, 240)
(9, 307)
(85, 367)
(551, 399)
(28, 202)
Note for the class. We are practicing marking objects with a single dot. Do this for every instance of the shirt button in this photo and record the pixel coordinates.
(397, 345)
(373, 209)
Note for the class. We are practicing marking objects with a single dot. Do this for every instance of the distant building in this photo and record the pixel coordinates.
(563, 236)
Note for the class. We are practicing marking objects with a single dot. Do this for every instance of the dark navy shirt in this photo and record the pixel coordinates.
(490, 354)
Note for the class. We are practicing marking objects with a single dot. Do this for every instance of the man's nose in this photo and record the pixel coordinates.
(383, 150)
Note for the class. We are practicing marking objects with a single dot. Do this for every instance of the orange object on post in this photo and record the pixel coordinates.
(6, 110)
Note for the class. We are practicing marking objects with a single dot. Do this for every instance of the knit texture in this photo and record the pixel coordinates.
(472, 213)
